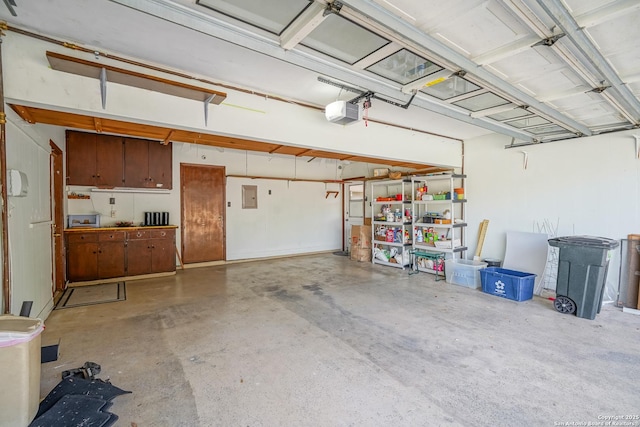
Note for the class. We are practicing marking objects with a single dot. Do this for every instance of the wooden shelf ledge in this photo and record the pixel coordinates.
(83, 67)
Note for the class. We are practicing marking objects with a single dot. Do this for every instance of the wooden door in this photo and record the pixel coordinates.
(109, 161)
(82, 261)
(110, 260)
(81, 158)
(160, 165)
(203, 213)
(57, 216)
(136, 163)
(138, 257)
(163, 255)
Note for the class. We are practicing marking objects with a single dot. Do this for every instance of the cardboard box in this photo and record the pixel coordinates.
(361, 254)
(361, 243)
(361, 236)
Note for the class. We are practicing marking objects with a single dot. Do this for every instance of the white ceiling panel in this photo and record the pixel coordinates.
(475, 39)
(552, 79)
(580, 7)
(553, 84)
(531, 63)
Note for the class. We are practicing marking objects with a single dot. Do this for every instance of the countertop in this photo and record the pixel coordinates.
(133, 227)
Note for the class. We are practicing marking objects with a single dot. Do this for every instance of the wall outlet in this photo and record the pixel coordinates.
(112, 200)
(113, 214)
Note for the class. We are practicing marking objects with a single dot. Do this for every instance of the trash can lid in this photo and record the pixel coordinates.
(591, 241)
(17, 329)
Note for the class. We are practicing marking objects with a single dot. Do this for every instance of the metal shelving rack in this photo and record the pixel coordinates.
(424, 214)
(380, 221)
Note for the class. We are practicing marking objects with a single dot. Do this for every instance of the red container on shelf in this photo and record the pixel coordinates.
(390, 234)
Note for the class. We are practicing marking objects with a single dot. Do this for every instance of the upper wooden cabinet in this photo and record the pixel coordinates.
(95, 160)
(115, 161)
(147, 164)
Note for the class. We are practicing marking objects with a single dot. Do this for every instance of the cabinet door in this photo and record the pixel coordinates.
(136, 163)
(138, 257)
(82, 261)
(111, 260)
(163, 250)
(160, 165)
(81, 158)
(109, 161)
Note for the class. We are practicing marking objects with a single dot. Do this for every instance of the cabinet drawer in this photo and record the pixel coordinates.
(82, 238)
(162, 234)
(113, 236)
(138, 234)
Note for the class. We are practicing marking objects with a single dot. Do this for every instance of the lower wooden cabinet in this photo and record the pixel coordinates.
(151, 251)
(94, 255)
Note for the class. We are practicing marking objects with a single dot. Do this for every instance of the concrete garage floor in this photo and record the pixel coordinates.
(325, 341)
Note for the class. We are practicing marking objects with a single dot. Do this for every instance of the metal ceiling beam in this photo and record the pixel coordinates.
(302, 26)
(618, 91)
(405, 30)
(377, 56)
(207, 24)
(607, 12)
(507, 50)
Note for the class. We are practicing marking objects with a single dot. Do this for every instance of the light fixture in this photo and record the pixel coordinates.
(430, 80)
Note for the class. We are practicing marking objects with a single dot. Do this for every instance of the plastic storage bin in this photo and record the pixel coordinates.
(583, 262)
(511, 284)
(464, 272)
(20, 373)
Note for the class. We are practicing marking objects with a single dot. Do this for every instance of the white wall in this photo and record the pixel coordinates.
(31, 81)
(586, 186)
(29, 220)
(295, 218)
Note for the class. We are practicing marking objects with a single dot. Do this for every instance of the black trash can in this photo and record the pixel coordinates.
(583, 262)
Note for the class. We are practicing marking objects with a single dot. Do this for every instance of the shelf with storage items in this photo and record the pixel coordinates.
(438, 219)
(391, 222)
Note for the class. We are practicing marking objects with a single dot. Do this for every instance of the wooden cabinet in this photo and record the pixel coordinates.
(163, 250)
(151, 251)
(82, 257)
(95, 160)
(111, 254)
(147, 164)
(115, 161)
(94, 255)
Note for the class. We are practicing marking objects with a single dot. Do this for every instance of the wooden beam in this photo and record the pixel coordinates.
(303, 153)
(119, 127)
(168, 138)
(23, 113)
(4, 208)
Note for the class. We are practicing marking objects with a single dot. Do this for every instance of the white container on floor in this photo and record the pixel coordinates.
(20, 374)
(464, 272)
